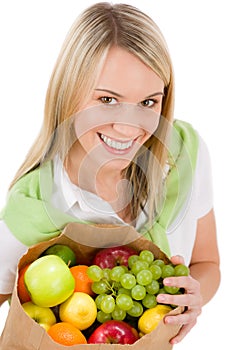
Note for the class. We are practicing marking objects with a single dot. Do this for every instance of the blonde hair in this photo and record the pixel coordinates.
(73, 80)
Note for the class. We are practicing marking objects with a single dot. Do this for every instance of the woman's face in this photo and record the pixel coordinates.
(123, 111)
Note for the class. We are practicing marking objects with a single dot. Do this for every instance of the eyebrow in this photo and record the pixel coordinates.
(118, 95)
(156, 94)
(110, 91)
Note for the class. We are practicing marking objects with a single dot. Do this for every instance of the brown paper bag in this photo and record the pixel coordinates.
(23, 333)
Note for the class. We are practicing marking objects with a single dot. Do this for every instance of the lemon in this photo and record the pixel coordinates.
(151, 318)
(80, 310)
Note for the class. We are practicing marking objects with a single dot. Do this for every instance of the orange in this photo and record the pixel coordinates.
(82, 281)
(22, 290)
(66, 334)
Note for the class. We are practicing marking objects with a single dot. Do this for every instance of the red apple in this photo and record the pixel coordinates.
(114, 332)
(110, 257)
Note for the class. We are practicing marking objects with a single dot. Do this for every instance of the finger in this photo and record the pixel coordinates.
(177, 259)
(184, 318)
(189, 300)
(185, 329)
(187, 282)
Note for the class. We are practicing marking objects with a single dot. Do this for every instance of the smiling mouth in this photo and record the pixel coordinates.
(118, 145)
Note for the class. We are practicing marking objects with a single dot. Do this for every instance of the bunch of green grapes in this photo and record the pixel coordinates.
(123, 291)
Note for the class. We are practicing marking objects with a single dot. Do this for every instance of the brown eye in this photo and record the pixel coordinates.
(148, 103)
(108, 100)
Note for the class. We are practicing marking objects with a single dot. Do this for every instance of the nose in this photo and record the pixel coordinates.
(126, 130)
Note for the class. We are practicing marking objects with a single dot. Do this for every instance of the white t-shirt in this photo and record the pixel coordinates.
(88, 206)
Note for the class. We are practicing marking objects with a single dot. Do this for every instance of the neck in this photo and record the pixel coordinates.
(102, 180)
(106, 182)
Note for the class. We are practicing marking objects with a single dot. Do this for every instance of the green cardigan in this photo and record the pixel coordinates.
(31, 217)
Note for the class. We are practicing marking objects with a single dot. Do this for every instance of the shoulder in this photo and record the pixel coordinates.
(196, 147)
(184, 143)
(203, 186)
(191, 137)
(184, 129)
(203, 150)
(202, 189)
(193, 163)
(30, 184)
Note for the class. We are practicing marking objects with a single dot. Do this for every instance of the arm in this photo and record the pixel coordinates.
(204, 265)
(203, 281)
(11, 249)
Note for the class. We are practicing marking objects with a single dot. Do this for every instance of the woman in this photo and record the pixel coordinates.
(113, 153)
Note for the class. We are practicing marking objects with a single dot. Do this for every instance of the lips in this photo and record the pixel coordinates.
(114, 144)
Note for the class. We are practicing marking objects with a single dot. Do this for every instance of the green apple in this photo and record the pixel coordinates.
(42, 315)
(64, 252)
(49, 281)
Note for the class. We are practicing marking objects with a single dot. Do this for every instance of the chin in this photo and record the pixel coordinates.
(118, 164)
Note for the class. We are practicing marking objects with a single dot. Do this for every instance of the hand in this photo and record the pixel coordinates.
(191, 300)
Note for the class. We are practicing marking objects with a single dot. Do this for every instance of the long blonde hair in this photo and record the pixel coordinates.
(73, 80)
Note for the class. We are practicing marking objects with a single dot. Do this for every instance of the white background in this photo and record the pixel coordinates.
(199, 35)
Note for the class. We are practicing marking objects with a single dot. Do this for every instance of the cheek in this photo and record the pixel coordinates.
(85, 132)
(95, 119)
(88, 140)
(150, 124)
(84, 125)
(146, 137)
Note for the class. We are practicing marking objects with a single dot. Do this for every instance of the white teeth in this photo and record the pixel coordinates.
(116, 144)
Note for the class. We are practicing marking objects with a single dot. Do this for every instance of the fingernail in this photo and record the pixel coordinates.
(161, 297)
(167, 281)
